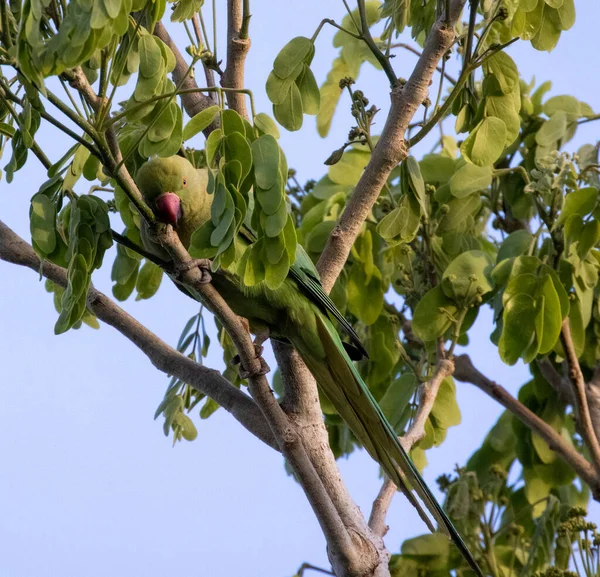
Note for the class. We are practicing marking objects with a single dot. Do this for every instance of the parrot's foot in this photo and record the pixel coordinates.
(258, 350)
(264, 369)
(202, 263)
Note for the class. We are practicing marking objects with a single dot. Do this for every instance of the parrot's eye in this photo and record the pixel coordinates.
(184, 181)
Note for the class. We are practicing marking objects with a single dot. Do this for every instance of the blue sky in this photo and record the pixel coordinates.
(90, 486)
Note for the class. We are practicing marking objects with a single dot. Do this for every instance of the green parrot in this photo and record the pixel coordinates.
(298, 312)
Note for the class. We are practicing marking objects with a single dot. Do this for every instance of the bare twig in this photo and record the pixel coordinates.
(238, 45)
(584, 420)
(15, 250)
(390, 149)
(308, 567)
(416, 52)
(466, 372)
(427, 394)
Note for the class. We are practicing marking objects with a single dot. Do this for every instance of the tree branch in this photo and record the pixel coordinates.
(584, 419)
(301, 404)
(427, 394)
(15, 250)
(238, 45)
(193, 102)
(466, 372)
(592, 390)
(390, 149)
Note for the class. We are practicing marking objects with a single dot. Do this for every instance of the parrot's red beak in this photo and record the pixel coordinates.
(168, 208)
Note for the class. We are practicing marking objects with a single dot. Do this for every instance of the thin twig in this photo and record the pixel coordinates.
(427, 394)
(584, 420)
(412, 49)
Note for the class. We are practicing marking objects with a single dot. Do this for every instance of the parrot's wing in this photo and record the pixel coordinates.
(304, 272)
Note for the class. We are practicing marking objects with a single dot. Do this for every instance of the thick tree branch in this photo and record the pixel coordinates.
(466, 372)
(238, 45)
(390, 149)
(584, 419)
(301, 404)
(15, 250)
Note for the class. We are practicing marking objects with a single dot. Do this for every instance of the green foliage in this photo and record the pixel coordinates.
(87, 232)
(291, 85)
(502, 218)
(247, 168)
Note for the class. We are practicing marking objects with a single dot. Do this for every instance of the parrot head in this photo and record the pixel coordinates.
(176, 192)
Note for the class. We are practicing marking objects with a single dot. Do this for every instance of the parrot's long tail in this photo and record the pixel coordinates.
(341, 382)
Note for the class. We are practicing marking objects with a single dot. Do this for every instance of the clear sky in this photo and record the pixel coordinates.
(91, 487)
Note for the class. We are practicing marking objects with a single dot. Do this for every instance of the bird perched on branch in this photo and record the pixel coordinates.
(298, 312)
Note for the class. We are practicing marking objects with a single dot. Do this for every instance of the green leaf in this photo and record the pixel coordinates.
(293, 53)
(289, 112)
(350, 168)
(445, 409)
(365, 296)
(436, 168)
(469, 179)
(151, 60)
(275, 222)
(276, 273)
(148, 280)
(567, 104)
(396, 399)
(503, 107)
(459, 210)
(502, 66)
(270, 200)
(200, 121)
(552, 130)
(266, 124)
(417, 185)
(486, 142)
(515, 244)
(309, 91)
(548, 32)
(265, 152)
(433, 315)
(589, 237)
(213, 145)
(402, 222)
(549, 316)
(580, 202)
(238, 148)
(518, 329)
(278, 88)
(468, 275)
(43, 223)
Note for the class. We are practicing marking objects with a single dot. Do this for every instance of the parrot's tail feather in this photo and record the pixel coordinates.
(342, 384)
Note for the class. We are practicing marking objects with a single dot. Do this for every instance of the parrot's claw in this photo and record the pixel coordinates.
(264, 369)
(258, 350)
(201, 263)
